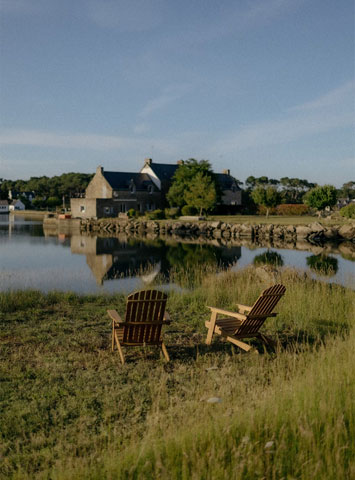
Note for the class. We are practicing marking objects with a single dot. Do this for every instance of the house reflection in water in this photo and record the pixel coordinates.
(113, 258)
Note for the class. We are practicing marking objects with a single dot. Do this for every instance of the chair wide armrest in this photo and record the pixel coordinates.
(166, 318)
(115, 316)
(243, 308)
(239, 316)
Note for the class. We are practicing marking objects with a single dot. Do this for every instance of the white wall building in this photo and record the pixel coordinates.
(4, 206)
(16, 205)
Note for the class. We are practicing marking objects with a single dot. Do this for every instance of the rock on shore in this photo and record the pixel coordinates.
(313, 233)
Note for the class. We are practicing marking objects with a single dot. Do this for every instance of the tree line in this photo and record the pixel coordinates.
(49, 191)
(194, 188)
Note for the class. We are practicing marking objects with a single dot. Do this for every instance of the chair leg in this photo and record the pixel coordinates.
(238, 343)
(211, 328)
(267, 340)
(113, 336)
(119, 349)
(165, 352)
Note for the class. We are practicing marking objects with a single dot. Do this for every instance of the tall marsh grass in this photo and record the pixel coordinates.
(70, 410)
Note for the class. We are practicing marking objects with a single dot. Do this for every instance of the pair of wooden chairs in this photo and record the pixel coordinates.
(146, 315)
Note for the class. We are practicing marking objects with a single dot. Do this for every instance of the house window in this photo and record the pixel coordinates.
(150, 188)
(82, 208)
(108, 210)
(115, 193)
(123, 208)
(132, 189)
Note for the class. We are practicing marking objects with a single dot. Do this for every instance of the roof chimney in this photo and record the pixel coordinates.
(226, 172)
(148, 161)
(100, 169)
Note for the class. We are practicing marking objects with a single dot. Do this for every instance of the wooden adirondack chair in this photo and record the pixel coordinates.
(247, 323)
(144, 318)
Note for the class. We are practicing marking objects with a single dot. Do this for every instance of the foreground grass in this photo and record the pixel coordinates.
(70, 410)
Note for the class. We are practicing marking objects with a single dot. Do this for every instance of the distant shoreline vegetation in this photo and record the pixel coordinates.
(52, 192)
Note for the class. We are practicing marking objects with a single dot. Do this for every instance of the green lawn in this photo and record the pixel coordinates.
(70, 410)
(278, 219)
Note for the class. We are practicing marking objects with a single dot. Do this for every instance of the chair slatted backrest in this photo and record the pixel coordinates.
(144, 306)
(261, 309)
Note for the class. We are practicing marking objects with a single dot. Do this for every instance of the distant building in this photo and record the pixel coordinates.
(17, 205)
(4, 206)
(30, 196)
(343, 202)
(111, 193)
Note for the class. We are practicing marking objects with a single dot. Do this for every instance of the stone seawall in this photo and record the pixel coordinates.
(313, 233)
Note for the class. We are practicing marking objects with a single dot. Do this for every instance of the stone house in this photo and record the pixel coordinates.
(111, 193)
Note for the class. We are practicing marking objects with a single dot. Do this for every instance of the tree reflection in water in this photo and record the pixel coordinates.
(269, 258)
(323, 264)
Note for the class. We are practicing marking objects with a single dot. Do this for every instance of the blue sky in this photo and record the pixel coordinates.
(262, 87)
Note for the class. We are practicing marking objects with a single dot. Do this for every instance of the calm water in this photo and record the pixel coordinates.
(29, 258)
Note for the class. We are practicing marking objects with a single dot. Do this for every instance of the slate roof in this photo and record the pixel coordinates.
(122, 180)
(226, 181)
(164, 171)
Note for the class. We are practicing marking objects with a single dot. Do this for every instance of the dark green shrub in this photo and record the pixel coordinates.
(348, 211)
(132, 213)
(155, 215)
(188, 210)
(172, 212)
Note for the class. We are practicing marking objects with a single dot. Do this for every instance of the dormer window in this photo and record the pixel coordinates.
(132, 187)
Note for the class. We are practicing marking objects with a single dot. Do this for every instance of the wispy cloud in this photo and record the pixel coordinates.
(169, 95)
(40, 138)
(170, 145)
(329, 112)
(344, 94)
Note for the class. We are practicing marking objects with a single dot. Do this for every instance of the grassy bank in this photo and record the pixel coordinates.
(280, 220)
(70, 410)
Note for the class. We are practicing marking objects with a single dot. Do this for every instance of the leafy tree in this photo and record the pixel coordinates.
(347, 190)
(183, 177)
(321, 197)
(268, 197)
(53, 202)
(293, 189)
(250, 182)
(201, 193)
